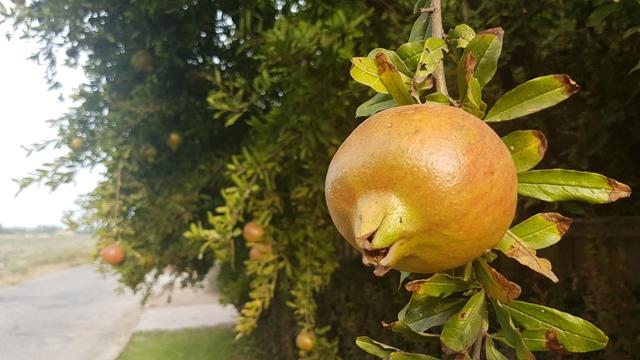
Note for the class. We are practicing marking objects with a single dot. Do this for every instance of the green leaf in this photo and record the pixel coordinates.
(410, 53)
(461, 330)
(472, 101)
(511, 333)
(460, 36)
(440, 285)
(410, 356)
(542, 230)
(365, 71)
(409, 333)
(491, 352)
(573, 333)
(394, 58)
(421, 27)
(424, 312)
(570, 185)
(512, 246)
(437, 97)
(375, 348)
(393, 80)
(527, 148)
(485, 47)
(532, 96)
(374, 105)
(432, 54)
(602, 12)
(535, 340)
(495, 284)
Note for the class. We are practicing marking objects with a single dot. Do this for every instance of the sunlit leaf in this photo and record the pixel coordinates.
(461, 330)
(532, 96)
(410, 53)
(527, 148)
(377, 103)
(432, 54)
(393, 80)
(542, 230)
(570, 185)
(394, 58)
(365, 71)
(460, 36)
(515, 248)
(485, 47)
(573, 333)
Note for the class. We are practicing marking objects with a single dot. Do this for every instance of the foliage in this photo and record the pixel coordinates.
(236, 79)
(523, 326)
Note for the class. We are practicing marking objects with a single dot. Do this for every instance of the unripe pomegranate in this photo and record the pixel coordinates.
(112, 254)
(150, 153)
(260, 252)
(174, 140)
(252, 232)
(305, 341)
(422, 188)
(76, 143)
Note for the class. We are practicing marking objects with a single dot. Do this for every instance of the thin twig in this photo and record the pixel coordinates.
(477, 350)
(438, 32)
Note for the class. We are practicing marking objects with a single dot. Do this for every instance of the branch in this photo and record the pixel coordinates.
(438, 32)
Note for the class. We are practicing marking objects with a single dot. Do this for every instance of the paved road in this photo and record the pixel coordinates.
(68, 315)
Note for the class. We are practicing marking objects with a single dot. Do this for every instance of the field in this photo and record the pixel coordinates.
(191, 344)
(26, 255)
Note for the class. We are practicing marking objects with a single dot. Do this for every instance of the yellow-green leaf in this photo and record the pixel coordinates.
(424, 312)
(542, 230)
(374, 348)
(485, 48)
(365, 71)
(410, 53)
(527, 148)
(393, 80)
(532, 96)
(570, 185)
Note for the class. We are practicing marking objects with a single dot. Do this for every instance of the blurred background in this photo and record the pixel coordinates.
(162, 127)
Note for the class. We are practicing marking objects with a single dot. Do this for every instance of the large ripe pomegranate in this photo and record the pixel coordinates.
(422, 188)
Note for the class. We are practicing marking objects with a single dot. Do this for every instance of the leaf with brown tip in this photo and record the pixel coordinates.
(542, 230)
(496, 284)
(512, 246)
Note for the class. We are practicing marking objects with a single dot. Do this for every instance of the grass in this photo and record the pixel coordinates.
(26, 255)
(214, 343)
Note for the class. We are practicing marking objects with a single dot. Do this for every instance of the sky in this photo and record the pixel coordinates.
(25, 105)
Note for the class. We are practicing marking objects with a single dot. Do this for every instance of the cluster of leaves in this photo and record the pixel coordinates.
(401, 78)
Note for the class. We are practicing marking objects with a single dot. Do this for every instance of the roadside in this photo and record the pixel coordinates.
(67, 315)
(28, 255)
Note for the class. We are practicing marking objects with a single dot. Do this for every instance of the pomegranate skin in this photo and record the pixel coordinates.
(422, 188)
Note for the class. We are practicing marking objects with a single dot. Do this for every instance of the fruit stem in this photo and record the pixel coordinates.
(438, 32)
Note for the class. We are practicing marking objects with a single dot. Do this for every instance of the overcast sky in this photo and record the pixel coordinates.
(25, 105)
